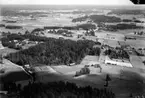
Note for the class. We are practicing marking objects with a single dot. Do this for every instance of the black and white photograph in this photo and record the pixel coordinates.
(72, 49)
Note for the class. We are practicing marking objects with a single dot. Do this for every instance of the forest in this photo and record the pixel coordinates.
(127, 12)
(85, 26)
(98, 18)
(58, 89)
(13, 27)
(52, 51)
(123, 26)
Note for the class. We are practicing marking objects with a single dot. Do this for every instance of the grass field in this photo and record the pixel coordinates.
(124, 80)
(136, 43)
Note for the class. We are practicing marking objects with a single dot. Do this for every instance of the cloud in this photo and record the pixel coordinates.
(62, 2)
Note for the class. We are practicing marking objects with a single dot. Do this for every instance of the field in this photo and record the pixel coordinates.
(136, 61)
(136, 43)
(124, 80)
(112, 43)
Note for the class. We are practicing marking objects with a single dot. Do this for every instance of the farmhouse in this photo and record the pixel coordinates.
(117, 62)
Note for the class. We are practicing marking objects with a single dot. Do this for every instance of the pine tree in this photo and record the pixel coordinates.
(107, 80)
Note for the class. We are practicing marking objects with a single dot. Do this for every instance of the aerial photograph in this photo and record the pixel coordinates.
(72, 49)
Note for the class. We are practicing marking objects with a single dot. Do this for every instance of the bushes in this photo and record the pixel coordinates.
(83, 71)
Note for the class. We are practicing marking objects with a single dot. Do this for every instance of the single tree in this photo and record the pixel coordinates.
(107, 80)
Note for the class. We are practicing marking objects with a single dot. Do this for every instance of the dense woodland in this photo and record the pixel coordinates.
(127, 12)
(85, 26)
(59, 90)
(52, 51)
(123, 26)
(98, 18)
(13, 27)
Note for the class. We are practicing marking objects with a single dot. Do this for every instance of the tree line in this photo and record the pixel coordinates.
(63, 90)
(85, 26)
(123, 26)
(98, 18)
(13, 27)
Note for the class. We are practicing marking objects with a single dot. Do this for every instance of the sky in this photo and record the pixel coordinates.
(64, 2)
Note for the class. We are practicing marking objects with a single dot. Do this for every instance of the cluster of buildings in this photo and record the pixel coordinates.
(23, 43)
(63, 32)
(113, 41)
